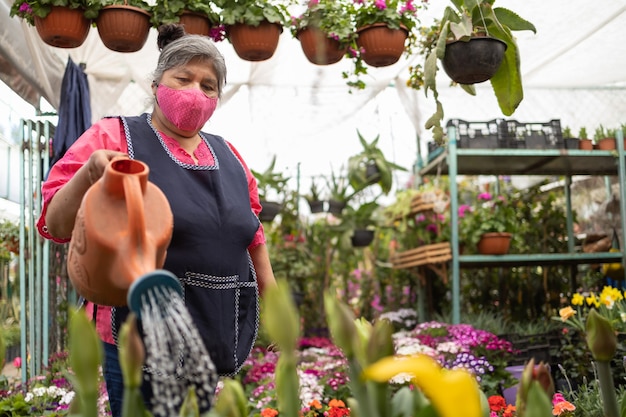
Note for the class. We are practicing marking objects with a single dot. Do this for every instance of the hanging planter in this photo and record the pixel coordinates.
(473, 61)
(63, 27)
(318, 48)
(123, 28)
(494, 243)
(195, 23)
(269, 211)
(381, 46)
(362, 237)
(316, 206)
(254, 43)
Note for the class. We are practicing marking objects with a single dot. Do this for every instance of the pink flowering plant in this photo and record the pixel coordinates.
(395, 14)
(333, 17)
(489, 213)
(322, 370)
(455, 346)
(28, 9)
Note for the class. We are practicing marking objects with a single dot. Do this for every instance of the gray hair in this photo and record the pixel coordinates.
(182, 50)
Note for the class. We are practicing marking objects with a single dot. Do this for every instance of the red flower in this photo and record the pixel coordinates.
(269, 412)
(496, 403)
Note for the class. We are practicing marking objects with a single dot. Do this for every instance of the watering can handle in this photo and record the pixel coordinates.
(135, 209)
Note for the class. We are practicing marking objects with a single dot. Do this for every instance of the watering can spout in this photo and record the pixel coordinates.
(158, 281)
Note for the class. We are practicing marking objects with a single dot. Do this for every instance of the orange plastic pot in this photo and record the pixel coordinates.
(122, 231)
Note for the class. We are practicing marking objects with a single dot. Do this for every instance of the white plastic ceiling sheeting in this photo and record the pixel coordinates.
(572, 69)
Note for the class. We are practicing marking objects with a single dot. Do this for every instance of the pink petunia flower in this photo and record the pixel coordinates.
(17, 362)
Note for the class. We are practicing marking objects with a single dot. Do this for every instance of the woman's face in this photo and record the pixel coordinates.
(195, 74)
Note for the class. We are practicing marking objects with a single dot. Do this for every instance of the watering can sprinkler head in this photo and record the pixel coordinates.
(158, 280)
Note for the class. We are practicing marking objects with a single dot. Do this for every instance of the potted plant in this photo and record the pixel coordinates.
(370, 167)
(383, 28)
(358, 224)
(253, 27)
(568, 139)
(325, 30)
(124, 25)
(198, 17)
(59, 23)
(477, 25)
(340, 192)
(492, 219)
(604, 138)
(271, 186)
(316, 203)
(583, 140)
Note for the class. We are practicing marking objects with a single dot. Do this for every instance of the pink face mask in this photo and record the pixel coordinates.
(187, 109)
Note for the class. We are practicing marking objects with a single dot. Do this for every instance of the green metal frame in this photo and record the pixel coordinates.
(454, 162)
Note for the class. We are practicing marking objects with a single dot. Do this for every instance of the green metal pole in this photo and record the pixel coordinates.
(622, 190)
(43, 248)
(22, 258)
(454, 225)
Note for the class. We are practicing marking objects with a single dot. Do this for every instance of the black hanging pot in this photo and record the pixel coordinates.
(362, 237)
(473, 61)
(269, 211)
(317, 206)
(372, 173)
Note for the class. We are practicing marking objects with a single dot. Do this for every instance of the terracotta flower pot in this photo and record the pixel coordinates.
(123, 28)
(381, 46)
(255, 43)
(585, 144)
(318, 48)
(474, 61)
(195, 23)
(63, 27)
(494, 243)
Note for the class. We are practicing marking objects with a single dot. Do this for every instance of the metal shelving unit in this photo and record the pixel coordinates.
(563, 162)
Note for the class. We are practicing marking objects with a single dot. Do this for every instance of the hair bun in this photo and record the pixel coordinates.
(169, 33)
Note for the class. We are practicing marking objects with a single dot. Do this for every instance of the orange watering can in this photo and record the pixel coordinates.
(120, 238)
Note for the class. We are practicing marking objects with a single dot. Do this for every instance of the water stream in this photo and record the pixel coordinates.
(176, 358)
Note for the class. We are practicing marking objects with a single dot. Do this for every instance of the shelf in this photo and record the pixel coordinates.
(526, 162)
(482, 261)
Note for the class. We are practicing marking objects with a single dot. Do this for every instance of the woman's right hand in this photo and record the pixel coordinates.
(98, 161)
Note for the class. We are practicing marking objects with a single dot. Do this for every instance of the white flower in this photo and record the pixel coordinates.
(67, 398)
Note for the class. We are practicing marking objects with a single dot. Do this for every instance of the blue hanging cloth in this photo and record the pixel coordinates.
(74, 110)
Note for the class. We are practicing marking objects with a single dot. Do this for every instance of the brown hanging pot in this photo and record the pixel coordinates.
(123, 28)
(473, 61)
(255, 43)
(380, 45)
(494, 243)
(318, 48)
(63, 27)
(195, 23)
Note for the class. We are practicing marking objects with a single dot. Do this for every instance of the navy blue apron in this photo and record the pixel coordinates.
(213, 227)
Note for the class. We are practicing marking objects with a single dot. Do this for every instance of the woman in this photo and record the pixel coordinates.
(211, 191)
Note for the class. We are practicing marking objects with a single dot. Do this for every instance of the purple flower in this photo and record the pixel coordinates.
(484, 196)
(464, 208)
(381, 4)
(25, 8)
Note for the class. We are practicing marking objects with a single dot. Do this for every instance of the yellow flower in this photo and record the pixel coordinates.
(452, 392)
(566, 313)
(592, 301)
(577, 299)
